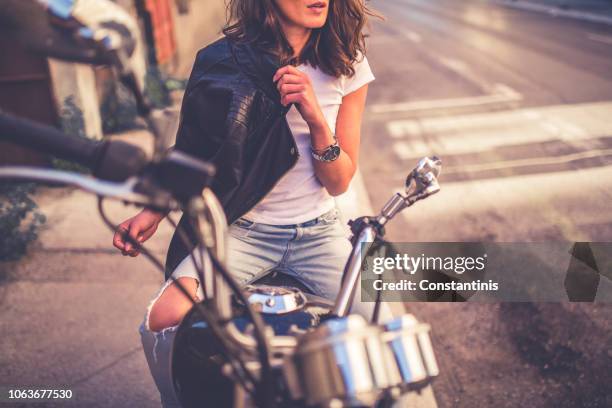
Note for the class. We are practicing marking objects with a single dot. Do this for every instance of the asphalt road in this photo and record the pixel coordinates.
(518, 104)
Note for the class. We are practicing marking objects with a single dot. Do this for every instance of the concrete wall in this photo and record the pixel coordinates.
(74, 89)
(74, 85)
(194, 30)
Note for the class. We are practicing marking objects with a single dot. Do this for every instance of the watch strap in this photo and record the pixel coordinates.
(328, 154)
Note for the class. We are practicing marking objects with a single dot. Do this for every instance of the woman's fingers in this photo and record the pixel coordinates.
(287, 69)
(297, 97)
(118, 240)
(122, 243)
(291, 88)
(292, 93)
(289, 79)
(134, 251)
(133, 232)
(279, 73)
(138, 230)
(295, 87)
(142, 237)
(292, 84)
(148, 233)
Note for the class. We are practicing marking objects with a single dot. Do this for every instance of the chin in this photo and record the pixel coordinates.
(315, 23)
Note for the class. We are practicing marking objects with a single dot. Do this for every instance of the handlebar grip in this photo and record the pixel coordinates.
(112, 161)
(119, 161)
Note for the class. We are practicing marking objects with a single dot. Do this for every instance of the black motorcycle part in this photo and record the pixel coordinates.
(197, 355)
(110, 161)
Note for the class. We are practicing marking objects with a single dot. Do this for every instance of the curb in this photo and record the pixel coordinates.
(556, 11)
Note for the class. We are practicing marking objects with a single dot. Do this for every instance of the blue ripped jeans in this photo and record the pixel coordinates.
(314, 252)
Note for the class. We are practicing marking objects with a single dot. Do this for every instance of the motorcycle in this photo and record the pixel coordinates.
(272, 343)
(321, 355)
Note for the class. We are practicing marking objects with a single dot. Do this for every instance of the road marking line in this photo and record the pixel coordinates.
(531, 114)
(503, 94)
(556, 12)
(414, 37)
(404, 128)
(405, 150)
(577, 125)
(467, 133)
(463, 69)
(539, 161)
(550, 128)
(600, 38)
(454, 64)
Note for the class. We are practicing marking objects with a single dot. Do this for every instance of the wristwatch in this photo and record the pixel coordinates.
(329, 154)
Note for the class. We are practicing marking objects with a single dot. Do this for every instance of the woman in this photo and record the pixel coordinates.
(321, 79)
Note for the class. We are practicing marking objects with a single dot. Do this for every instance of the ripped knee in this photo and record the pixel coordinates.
(171, 305)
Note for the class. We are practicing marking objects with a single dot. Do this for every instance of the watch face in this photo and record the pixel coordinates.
(332, 154)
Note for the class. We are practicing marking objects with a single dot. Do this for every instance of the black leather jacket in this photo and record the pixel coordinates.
(232, 117)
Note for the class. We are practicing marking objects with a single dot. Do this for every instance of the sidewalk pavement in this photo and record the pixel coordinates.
(596, 11)
(70, 310)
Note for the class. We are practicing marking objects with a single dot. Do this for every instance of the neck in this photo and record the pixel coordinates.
(296, 36)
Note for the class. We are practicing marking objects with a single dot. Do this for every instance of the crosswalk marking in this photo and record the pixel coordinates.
(576, 125)
(414, 37)
(600, 38)
(502, 95)
(538, 161)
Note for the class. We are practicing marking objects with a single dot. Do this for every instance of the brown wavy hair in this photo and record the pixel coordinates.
(332, 48)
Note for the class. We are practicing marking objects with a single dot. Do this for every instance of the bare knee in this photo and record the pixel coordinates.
(170, 308)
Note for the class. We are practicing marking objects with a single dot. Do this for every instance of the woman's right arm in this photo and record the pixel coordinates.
(141, 227)
(201, 133)
(193, 138)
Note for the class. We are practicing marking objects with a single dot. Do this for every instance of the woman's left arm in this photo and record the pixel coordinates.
(295, 87)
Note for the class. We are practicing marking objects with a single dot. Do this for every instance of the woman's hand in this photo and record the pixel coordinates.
(295, 87)
(140, 227)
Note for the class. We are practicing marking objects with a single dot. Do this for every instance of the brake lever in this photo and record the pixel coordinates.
(423, 180)
(421, 183)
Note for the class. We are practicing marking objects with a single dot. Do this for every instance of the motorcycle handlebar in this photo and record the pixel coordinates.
(110, 161)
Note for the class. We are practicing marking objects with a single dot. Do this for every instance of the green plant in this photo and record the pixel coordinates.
(156, 89)
(175, 84)
(118, 109)
(19, 220)
(73, 123)
(71, 118)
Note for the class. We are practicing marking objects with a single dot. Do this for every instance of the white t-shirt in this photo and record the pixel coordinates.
(299, 196)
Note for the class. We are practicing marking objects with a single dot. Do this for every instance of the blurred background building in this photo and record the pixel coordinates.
(86, 100)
